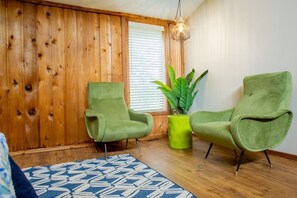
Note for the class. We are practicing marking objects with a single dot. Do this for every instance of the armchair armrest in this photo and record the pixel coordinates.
(95, 124)
(208, 116)
(261, 132)
(142, 117)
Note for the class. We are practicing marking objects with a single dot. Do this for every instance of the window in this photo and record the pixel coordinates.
(147, 63)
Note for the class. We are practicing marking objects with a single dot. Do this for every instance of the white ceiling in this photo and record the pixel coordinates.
(162, 9)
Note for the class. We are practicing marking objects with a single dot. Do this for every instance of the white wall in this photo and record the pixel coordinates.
(236, 38)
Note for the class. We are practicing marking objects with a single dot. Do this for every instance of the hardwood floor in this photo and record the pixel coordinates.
(213, 177)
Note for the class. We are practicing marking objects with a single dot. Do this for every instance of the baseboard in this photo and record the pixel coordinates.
(283, 155)
(74, 146)
(57, 148)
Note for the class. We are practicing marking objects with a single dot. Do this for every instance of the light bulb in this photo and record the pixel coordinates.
(180, 28)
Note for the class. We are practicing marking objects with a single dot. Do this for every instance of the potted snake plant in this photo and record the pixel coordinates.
(180, 95)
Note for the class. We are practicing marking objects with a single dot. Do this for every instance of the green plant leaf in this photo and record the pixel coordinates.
(197, 81)
(171, 98)
(178, 86)
(194, 95)
(182, 88)
(171, 74)
(190, 76)
(161, 84)
(190, 100)
(186, 101)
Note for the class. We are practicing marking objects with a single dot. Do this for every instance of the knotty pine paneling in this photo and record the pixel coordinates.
(3, 71)
(48, 55)
(83, 28)
(116, 49)
(105, 48)
(58, 73)
(15, 75)
(31, 114)
(72, 51)
(94, 47)
(44, 63)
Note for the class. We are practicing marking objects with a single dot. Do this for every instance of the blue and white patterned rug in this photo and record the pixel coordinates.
(119, 176)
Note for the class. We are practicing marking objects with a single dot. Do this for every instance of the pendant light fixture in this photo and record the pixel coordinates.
(180, 31)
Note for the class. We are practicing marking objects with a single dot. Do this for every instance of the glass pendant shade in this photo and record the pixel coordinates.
(180, 31)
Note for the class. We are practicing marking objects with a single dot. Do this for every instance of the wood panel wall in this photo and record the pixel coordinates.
(48, 54)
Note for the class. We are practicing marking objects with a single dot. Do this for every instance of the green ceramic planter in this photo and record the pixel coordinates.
(179, 132)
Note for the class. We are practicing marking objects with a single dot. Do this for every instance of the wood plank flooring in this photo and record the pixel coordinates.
(213, 177)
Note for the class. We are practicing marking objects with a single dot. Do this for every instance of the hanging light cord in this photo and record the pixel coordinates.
(178, 10)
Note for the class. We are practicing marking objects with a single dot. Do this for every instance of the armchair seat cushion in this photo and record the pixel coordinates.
(124, 129)
(215, 132)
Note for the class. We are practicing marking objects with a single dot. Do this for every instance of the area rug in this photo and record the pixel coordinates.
(119, 176)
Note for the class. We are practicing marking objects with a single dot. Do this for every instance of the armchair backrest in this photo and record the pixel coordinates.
(107, 98)
(265, 93)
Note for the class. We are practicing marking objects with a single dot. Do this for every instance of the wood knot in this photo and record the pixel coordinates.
(33, 40)
(39, 55)
(54, 41)
(28, 88)
(15, 83)
(11, 37)
(51, 114)
(32, 112)
(48, 68)
(19, 12)
(19, 113)
(48, 14)
(59, 29)
(46, 44)
(56, 74)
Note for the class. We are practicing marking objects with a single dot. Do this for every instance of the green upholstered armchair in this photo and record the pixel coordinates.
(108, 119)
(259, 122)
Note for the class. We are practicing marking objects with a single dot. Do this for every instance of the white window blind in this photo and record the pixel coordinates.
(147, 63)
